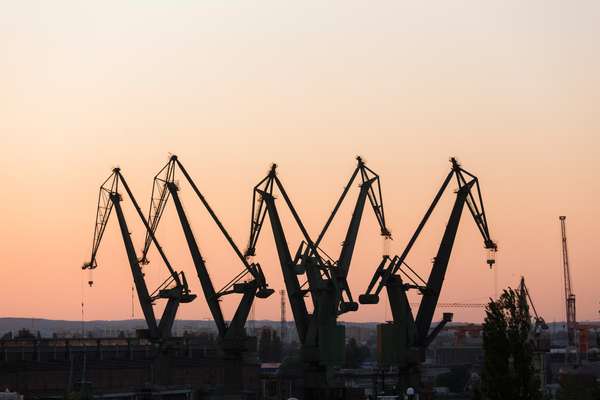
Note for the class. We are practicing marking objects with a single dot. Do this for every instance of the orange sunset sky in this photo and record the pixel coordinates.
(511, 88)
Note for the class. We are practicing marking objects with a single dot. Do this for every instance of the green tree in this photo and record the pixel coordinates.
(508, 371)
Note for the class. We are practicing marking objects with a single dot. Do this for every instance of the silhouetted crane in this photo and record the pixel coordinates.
(404, 341)
(321, 338)
(233, 335)
(174, 289)
(569, 295)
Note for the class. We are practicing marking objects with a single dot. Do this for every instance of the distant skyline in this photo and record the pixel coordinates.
(512, 89)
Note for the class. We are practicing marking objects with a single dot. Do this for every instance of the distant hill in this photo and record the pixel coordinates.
(99, 328)
(48, 327)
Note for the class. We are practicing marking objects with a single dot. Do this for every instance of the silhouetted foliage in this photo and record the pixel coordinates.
(508, 371)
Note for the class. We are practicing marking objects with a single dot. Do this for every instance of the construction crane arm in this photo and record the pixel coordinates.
(308, 258)
(569, 295)
(440, 265)
(111, 198)
(165, 186)
(259, 210)
(370, 188)
(205, 281)
(158, 202)
(381, 276)
(467, 183)
(388, 272)
(138, 276)
(292, 284)
(103, 211)
(475, 205)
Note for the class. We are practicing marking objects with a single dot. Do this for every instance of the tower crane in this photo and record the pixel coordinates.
(232, 335)
(321, 338)
(404, 341)
(569, 295)
(174, 289)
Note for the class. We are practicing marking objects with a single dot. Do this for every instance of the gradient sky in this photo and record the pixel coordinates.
(511, 88)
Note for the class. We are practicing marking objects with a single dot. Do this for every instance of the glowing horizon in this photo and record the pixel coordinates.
(510, 89)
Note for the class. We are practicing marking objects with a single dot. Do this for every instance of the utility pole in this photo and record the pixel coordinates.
(569, 295)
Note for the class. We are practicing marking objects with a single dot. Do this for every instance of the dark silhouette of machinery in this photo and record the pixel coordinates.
(232, 335)
(174, 289)
(309, 272)
(539, 324)
(321, 337)
(403, 341)
(569, 295)
(249, 283)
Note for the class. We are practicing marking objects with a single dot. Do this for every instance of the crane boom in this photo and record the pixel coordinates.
(374, 194)
(290, 278)
(321, 337)
(233, 333)
(174, 288)
(205, 281)
(569, 295)
(440, 264)
(383, 275)
(475, 206)
(404, 342)
(370, 188)
(136, 271)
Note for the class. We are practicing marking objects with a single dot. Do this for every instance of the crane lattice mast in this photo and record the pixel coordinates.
(569, 295)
